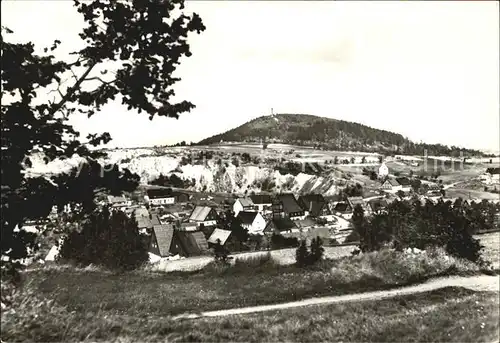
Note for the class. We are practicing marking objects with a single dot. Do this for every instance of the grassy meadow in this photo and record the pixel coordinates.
(445, 315)
(249, 282)
(63, 303)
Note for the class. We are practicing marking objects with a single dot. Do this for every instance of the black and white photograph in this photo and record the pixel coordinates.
(250, 171)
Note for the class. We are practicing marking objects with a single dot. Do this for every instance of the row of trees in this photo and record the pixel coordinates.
(172, 181)
(409, 223)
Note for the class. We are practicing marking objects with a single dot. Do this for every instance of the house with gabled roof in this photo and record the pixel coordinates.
(118, 202)
(377, 205)
(342, 209)
(219, 236)
(285, 205)
(405, 183)
(165, 196)
(314, 205)
(188, 226)
(355, 201)
(159, 196)
(278, 225)
(263, 202)
(192, 243)
(204, 215)
(244, 204)
(144, 223)
(163, 242)
(391, 185)
(254, 222)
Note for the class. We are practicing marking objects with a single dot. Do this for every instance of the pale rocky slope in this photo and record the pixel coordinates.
(208, 176)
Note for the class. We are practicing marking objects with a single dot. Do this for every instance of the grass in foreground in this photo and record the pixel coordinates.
(446, 315)
(257, 282)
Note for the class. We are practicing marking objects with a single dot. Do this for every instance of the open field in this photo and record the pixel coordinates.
(470, 194)
(259, 281)
(491, 252)
(90, 304)
(279, 149)
(444, 315)
(282, 256)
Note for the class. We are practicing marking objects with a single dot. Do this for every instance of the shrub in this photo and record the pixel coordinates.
(245, 157)
(321, 221)
(304, 257)
(409, 224)
(108, 239)
(317, 250)
(333, 241)
(281, 242)
(221, 253)
(257, 261)
(400, 267)
(352, 237)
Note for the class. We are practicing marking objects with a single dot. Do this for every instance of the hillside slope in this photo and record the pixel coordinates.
(333, 134)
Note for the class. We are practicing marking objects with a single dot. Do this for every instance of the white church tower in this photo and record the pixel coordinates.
(383, 170)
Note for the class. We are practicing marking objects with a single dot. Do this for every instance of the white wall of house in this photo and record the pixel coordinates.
(261, 208)
(237, 207)
(208, 223)
(299, 218)
(162, 201)
(258, 225)
(392, 189)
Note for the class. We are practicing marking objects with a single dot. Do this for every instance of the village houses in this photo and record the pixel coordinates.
(394, 185)
(243, 204)
(285, 205)
(263, 202)
(203, 215)
(159, 197)
(254, 222)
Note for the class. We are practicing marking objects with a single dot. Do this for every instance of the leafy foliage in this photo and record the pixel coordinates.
(302, 254)
(304, 257)
(130, 51)
(282, 242)
(221, 253)
(239, 235)
(411, 224)
(109, 239)
(171, 181)
(359, 223)
(351, 191)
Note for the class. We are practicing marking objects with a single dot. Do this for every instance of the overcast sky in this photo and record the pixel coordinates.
(427, 70)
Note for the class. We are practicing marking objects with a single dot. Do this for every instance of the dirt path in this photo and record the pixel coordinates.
(476, 283)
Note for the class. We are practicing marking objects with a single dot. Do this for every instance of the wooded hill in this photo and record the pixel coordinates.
(328, 133)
